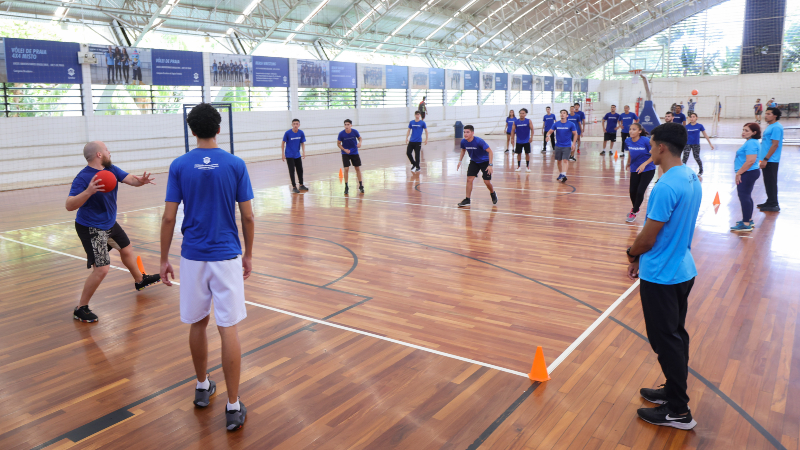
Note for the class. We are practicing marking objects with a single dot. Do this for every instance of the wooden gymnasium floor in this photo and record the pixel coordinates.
(395, 320)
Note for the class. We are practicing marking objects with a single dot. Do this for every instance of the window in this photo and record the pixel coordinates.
(383, 98)
(542, 97)
(321, 98)
(493, 98)
(128, 100)
(435, 97)
(253, 98)
(520, 97)
(37, 100)
(463, 98)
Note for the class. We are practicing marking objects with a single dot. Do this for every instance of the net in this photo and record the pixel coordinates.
(225, 136)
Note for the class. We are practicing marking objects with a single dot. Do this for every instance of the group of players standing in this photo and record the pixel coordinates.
(232, 72)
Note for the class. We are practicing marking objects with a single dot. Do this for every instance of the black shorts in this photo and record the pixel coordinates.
(474, 168)
(520, 147)
(354, 159)
(97, 243)
(610, 136)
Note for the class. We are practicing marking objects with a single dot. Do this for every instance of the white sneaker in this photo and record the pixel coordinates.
(518, 169)
(527, 169)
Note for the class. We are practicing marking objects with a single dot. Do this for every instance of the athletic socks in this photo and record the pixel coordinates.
(204, 385)
(361, 184)
(233, 406)
(518, 162)
(527, 163)
(563, 174)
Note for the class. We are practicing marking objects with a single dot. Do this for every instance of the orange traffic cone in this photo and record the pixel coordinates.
(539, 369)
(139, 263)
(616, 156)
(341, 174)
(716, 200)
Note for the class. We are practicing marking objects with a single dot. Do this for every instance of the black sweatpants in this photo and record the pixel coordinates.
(295, 164)
(415, 147)
(745, 191)
(624, 137)
(771, 183)
(639, 183)
(664, 307)
(552, 141)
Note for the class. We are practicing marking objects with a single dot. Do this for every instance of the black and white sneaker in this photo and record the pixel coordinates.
(564, 179)
(544, 150)
(202, 396)
(235, 419)
(657, 396)
(663, 416)
(603, 153)
(84, 314)
(572, 158)
(148, 280)
(494, 198)
(361, 189)
(464, 203)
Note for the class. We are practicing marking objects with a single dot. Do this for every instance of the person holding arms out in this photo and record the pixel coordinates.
(770, 157)
(747, 172)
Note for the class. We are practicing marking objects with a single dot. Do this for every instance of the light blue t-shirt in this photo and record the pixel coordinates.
(774, 132)
(109, 58)
(349, 141)
(416, 130)
(100, 210)
(209, 182)
(639, 152)
(627, 120)
(510, 123)
(675, 201)
(549, 120)
(611, 122)
(476, 149)
(563, 132)
(523, 131)
(693, 133)
(750, 147)
(293, 141)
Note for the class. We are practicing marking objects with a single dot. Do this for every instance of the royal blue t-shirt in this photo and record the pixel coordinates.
(639, 152)
(563, 132)
(679, 117)
(523, 131)
(693, 133)
(476, 149)
(583, 116)
(100, 210)
(575, 120)
(675, 201)
(627, 119)
(349, 141)
(774, 132)
(549, 120)
(416, 130)
(209, 182)
(510, 123)
(293, 141)
(611, 122)
(750, 147)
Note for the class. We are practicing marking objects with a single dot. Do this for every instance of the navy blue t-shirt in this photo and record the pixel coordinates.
(549, 120)
(293, 141)
(627, 120)
(611, 122)
(349, 141)
(416, 130)
(639, 152)
(510, 123)
(100, 210)
(523, 131)
(476, 149)
(563, 132)
(679, 118)
(576, 120)
(209, 182)
(693, 133)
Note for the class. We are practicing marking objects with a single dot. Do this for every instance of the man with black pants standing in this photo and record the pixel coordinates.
(661, 258)
(770, 157)
(294, 141)
(415, 128)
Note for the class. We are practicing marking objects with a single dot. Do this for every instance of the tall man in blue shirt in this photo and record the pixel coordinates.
(661, 258)
(566, 135)
(575, 118)
(480, 156)
(294, 141)
(625, 120)
(210, 182)
(770, 158)
(414, 139)
(547, 123)
(678, 116)
(581, 128)
(522, 130)
(96, 224)
(610, 121)
(349, 141)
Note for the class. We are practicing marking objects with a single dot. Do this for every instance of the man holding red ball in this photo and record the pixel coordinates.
(96, 222)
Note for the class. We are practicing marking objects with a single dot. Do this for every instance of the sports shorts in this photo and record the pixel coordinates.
(474, 168)
(220, 281)
(524, 146)
(354, 159)
(97, 243)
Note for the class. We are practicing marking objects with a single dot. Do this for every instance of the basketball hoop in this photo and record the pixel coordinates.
(635, 75)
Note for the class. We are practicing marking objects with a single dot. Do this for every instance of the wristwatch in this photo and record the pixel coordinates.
(491, 164)
(628, 251)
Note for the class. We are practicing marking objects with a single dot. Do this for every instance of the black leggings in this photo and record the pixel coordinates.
(295, 164)
(552, 141)
(415, 147)
(696, 152)
(745, 191)
(639, 183)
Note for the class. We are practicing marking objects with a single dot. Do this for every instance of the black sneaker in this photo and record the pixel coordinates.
(464, 203)
(84, 314)
(662, 415)
(148, 280)
(572, 158)
(202, 396)
(494, 198)
(361, 189)
(564, 180)
(295, 190)
(235, 419)
(603, 153)
(303, 188)
(657, 396)
(770, 209)
(544, 150)
(346, 190)
(761, 205)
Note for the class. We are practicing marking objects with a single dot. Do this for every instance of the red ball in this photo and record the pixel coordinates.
(694, 92)
(107, 179)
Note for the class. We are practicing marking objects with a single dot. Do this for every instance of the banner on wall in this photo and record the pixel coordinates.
(471, 80)
(419, 77)
(501, 81)
(567, 85)
(230, 70)
(436, 78)
(343, 75)
(3, 73)
(32, 61)
(527, 82)
(177, 68)
(584, 85)
(455, 79)
(396, 77)
(547, 83)
(121, 65)
(538, 83)
(516, 82)
(576, 85)
(372, 76)
(269, 71)
(312, 73)
(487, 81)
(558, 85)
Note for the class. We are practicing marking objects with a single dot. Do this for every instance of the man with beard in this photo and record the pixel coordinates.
(97, 227)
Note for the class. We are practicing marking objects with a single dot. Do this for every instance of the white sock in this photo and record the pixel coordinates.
(204, 384)
(233, 406)
(563, 174)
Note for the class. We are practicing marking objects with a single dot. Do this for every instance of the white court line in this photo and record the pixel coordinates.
(73, 220)
(529, 190)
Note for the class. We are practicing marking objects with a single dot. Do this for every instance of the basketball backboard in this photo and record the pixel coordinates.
(648, 60)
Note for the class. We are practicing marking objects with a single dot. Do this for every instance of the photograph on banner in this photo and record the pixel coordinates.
(548, 83)
(230, 70)
(270, 71)
(3, 73)
(527, 82)
(396, 77)
(177, 68)
(584, 85)
(33, 61)
(419, 77)
(472, 80)
(455, 79)
(567, 84)
(343, 75)
(516, 82)
(538, 83)
(559, 84)
(487, 81)
(436, 78)
(372, 76)
(121, 65)
(500, 81)
(312, 73)
(576, 85)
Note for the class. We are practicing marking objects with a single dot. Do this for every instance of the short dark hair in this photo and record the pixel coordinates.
(692, 114)
(563, 110)
(776, 112)
(469, 127)
(548, 107)
(295, 120)
(577, 104)
(523, 109)
(668, 112)
(672, 134)
(348, 121)
(755, 128)
(204, 121)
(613, 106)
(417, 113)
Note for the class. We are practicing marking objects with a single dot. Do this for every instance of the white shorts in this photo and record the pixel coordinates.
(222, 280)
